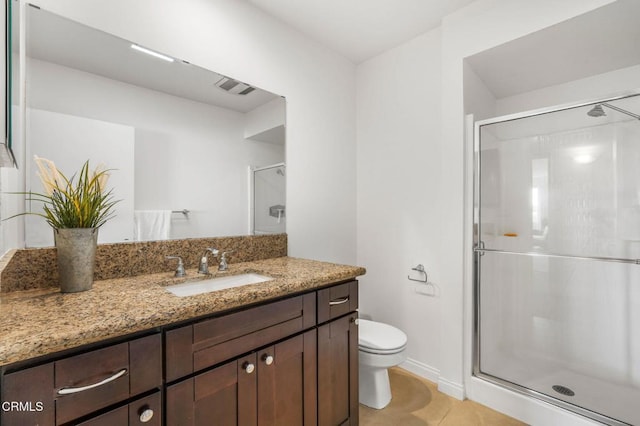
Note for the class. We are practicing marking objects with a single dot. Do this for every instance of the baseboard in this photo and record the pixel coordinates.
(453, 389)
(432, 374)
(420, 369)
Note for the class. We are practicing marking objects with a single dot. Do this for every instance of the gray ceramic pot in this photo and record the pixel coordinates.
(76, 251)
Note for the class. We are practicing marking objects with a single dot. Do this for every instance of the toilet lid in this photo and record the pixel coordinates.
(379, 337)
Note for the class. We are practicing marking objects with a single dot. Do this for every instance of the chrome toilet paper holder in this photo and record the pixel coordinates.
(419, 268)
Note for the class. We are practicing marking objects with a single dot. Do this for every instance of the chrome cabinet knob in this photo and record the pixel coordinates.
(248, 367)
(268, 359)
(146, 414)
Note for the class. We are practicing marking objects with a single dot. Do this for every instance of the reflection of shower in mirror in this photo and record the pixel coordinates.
(268, 206)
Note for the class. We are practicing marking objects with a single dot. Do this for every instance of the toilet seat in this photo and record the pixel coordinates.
(379, 338)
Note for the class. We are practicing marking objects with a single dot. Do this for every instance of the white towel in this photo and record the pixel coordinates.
(150, 225)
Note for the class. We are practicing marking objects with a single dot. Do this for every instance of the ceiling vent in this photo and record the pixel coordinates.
(234, 86)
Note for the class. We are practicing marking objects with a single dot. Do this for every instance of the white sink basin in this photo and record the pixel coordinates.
(215, 284)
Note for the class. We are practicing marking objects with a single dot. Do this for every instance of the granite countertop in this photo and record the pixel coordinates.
(40, 322)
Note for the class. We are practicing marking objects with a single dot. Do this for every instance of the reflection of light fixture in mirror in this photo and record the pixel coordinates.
(152, 53)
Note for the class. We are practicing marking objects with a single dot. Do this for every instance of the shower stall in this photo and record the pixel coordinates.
(557, 256)
(268, 208)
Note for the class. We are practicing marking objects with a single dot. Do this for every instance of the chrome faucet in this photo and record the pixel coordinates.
(180, 268)
(223, 266)
(203, 266)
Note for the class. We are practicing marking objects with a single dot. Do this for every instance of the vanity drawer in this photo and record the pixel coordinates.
(76, 381)
(333, 302)
(75, 386)
(93, 380)
(209, 342)
(147, 411)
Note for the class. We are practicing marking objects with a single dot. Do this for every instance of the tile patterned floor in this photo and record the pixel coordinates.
(417, 402)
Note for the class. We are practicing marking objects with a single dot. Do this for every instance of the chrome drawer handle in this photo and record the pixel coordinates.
(67, 391)
(339, 301)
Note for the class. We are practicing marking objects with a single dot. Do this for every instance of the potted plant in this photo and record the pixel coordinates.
(75, 208)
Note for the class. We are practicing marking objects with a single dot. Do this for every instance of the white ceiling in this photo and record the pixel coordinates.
(360, 29)
(597, 42)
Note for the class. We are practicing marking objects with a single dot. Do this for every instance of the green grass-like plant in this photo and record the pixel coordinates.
(77, 202)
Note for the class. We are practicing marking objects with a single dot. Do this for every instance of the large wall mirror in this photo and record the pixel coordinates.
(194, 153)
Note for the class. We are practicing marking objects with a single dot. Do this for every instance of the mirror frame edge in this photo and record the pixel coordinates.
(7, 158)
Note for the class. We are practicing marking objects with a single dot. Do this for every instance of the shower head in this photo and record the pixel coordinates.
(596, 111)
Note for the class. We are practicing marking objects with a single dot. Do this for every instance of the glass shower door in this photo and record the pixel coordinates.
(557, 269)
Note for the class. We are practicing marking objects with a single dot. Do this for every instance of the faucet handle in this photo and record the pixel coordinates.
(180, 268)
(223, 266)
(213, 251)
(203, 265)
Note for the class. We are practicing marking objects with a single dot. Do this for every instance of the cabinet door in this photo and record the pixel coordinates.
(274, 387)
(224, 396)
(287, 386)
(338, 372)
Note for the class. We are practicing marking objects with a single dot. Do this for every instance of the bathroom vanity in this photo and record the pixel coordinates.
(279, 352)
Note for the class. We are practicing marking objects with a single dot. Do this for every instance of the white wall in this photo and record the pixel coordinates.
(236, 39)
(399, 169)
(69, 141)
(266, 118)
(478, 99)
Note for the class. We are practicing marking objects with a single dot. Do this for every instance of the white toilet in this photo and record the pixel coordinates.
(381, 346)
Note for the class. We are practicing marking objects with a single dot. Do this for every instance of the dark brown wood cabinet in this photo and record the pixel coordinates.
(292, 361)
(205, 343)
(338, 355)
(273, 386)
(65, 390)
(144, 411)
